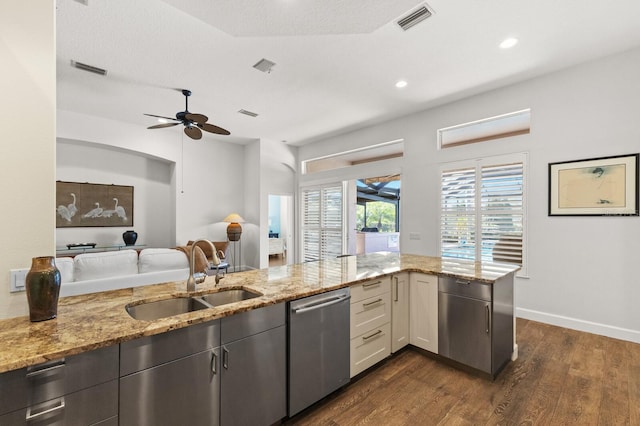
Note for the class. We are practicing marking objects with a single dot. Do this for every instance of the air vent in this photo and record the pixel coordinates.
(264, 65)
(249, 113)
(89, 68)
(414, 18)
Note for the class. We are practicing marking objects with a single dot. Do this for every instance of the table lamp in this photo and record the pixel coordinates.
(234, 230)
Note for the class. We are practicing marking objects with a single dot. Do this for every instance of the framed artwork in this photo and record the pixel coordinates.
(605, 186)
(93, 204)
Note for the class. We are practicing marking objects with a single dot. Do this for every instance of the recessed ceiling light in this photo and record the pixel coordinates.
(508, 43)
(400, 84)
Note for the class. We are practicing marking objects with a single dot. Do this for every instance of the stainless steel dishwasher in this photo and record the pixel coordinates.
(318, 347)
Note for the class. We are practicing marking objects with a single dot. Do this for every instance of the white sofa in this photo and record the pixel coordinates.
(111, 270)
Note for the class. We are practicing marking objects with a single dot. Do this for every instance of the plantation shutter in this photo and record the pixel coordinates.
(502, 213)
(482, 213)
(322, 222)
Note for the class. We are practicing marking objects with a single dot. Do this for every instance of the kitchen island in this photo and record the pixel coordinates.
(92, 321)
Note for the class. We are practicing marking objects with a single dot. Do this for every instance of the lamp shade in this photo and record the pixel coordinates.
(234, 230)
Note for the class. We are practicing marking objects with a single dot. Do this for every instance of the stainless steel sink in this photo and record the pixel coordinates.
(224, 297)
(165, 308)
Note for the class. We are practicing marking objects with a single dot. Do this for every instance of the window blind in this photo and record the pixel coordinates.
(322, 212)
(482, 213)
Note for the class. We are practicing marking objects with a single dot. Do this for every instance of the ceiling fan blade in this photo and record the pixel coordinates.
(193, 132)
(213, 129)
(196, 118)
(160, 116)
(160, 126)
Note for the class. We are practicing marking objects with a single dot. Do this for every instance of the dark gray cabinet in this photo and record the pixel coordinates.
(171, 378)
(77, 390)
(253, 367)
(475, 322)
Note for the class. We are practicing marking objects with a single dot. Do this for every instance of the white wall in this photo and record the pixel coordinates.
(27, 120)
(153, 220)
(582, 271)
(206, 175)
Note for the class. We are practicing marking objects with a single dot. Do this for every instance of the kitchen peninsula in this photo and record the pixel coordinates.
(96, 330)
(96, 320)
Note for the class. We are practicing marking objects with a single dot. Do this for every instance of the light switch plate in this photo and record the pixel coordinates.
(18, 278)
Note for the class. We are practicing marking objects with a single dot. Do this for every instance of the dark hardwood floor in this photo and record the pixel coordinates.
(561, 377)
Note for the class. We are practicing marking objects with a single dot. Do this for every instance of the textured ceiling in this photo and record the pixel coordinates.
(336, 61)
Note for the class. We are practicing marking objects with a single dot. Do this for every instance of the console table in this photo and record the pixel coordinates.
(73, 251)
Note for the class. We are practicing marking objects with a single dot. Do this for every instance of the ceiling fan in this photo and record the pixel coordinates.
(193, 123)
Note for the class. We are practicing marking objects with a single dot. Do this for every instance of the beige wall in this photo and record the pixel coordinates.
(27, 149)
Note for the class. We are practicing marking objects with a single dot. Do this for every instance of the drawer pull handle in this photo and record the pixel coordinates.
(30, 416)
(372, 335)
(367, 285)
(463, 282)
(396, 282)
(365, 305)
(214, 363)
(225, 358)
(46, 369)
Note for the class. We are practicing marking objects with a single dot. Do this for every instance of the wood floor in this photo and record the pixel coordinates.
(561, 377)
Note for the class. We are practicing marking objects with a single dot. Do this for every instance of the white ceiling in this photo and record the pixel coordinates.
(336, 60)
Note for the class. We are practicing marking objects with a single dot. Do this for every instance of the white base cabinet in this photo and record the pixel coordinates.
(423, 311)
(399, 311)
(370, 324)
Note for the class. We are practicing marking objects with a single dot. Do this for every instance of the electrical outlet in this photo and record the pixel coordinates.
(18, 278)
(414, 235)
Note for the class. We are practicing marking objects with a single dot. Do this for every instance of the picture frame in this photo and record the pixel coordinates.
(606, 186)
(93, 205)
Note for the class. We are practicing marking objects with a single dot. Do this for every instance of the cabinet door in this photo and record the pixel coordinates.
(399, 311)
(254, 374)
(180, 392)
(423, 317)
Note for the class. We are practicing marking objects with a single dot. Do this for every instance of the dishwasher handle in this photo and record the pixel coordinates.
(319, 304)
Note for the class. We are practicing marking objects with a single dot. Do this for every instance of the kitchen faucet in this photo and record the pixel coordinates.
(197, 278)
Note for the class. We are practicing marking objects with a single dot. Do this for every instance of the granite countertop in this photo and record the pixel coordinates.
(96, 320)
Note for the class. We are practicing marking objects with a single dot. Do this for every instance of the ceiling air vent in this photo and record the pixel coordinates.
(264, 65)
(89, 68)
(414, 17)
(249, 113)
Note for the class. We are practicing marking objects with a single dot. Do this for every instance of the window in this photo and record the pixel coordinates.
(482, 211)
(501, 126)
(322, 214)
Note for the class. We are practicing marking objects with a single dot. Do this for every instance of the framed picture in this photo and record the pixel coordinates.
(93, 204)
(605, 186)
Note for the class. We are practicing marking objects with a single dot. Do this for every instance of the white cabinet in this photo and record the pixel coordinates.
(423, 316)
(399, 311)
(370, 324)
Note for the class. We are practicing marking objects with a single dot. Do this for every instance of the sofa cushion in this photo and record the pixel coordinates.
(161, 259)
(105, 264)
(65, 266)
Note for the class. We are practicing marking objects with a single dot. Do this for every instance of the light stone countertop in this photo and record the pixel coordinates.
(96, 320)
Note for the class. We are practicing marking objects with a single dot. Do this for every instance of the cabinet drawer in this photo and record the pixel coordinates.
(146, 352)
(370, 288)
(370, 348)
(49, 380)
(252, 322)
(85, 407)
(465, 288)
(370, 313)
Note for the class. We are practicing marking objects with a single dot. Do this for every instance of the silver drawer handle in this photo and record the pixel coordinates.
(463, 282)
(58, 364)
(367, 285)
(31, 416)
(214, 363)
(371, 303)
(372, 335)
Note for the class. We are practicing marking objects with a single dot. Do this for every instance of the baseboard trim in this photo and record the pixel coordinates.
(580, 325)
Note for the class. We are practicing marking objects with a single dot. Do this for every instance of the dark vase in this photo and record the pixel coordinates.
(130, 237)
(43, 288)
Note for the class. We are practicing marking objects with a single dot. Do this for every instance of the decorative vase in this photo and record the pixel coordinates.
(130, 237)
(43, 288)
